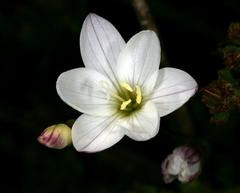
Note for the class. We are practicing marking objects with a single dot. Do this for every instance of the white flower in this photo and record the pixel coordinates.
(184, 163)
(121, 90)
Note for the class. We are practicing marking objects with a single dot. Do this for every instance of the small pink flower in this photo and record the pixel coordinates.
(184, 163)
(56, 136)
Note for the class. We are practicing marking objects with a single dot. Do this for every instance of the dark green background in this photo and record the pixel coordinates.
(40, 39)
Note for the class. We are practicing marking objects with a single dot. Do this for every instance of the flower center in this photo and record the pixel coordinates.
(130, 98)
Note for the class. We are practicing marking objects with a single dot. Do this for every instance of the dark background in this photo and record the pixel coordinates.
(40, 39)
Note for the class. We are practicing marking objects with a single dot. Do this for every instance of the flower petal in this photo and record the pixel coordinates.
(100, 45)
(87, 91)
(93, 134)
(173, 88)
(190, 172)
(140, 59)
(143, 124)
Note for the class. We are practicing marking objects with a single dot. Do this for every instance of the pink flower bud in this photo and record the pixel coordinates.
(184, 163)
(56, 136)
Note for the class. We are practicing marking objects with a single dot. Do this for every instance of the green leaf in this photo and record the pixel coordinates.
(233, 190)
(226, 75)
(195, 187)
(220, 118)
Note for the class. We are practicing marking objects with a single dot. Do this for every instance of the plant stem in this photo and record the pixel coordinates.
(144, 16)
(147, 22)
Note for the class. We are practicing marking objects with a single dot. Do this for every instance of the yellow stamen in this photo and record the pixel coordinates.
(125, 104)
(138, 95)
(126, 86)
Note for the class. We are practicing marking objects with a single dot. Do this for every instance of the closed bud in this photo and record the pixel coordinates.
(56, 136)
(184, 164)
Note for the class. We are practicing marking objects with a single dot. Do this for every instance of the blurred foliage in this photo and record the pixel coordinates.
(40, 39)
(222, 96)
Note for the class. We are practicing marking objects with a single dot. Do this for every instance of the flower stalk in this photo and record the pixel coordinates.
(147, 21)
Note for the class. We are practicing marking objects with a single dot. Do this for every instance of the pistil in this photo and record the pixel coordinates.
(131, 98)
(117, 97)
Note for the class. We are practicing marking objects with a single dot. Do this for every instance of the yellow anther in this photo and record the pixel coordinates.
(138, 95)
(125, 104)
(126, 86)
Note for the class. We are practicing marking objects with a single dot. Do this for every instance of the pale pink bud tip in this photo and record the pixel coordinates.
(56, 136)
(184, 164)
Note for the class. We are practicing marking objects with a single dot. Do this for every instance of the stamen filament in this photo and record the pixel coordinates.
(125, 104)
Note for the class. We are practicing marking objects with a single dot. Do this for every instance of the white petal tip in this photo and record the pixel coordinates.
(92, 15)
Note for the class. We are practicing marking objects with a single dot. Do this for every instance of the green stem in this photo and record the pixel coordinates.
(147, 22)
